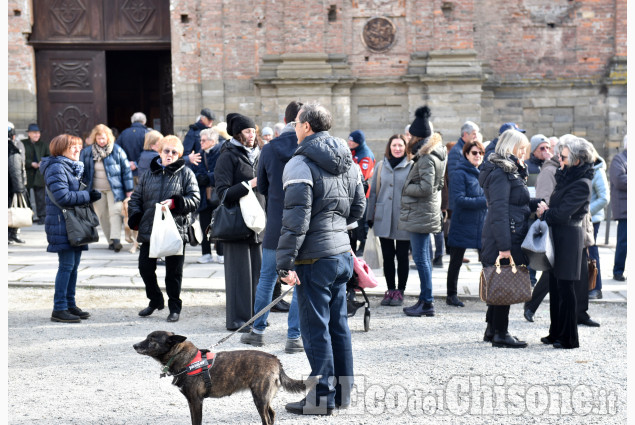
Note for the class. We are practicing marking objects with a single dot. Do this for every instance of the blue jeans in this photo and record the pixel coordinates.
(264, 291)
(420, 243)
(324, 326)
(66, 278)
(595, 255)
(620, 249)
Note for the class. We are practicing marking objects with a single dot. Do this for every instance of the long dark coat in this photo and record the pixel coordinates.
(568, 205)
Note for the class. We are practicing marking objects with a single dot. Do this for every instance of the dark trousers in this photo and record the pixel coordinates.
(324, 327)
(456, 261)
(242, 272)
(390, 249)
(620, 249)
(205, 218)
(173, 278)
(562, 309)
(497, 317)
(595, 255)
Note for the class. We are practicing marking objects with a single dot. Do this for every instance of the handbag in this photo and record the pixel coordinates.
(252, 212)
(194, 233)
(505, 285)
(593, 272)
(372, 251)
(538, 247)
(20, 215)
(81, 221)
(165, 239)
(227, 223)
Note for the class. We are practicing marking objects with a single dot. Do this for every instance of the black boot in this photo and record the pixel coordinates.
(507, 341)
(116, 245)
(489, 333)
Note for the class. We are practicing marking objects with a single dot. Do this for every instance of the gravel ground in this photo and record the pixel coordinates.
(416, 370)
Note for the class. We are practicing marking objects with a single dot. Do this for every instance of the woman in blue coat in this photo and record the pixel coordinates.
(468, 215)
(107, 170)
(62, 175)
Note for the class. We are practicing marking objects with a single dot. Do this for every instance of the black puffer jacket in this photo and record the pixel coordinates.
(232, 168)
(176, 182)
(323, 193)
(508, 209)
(16, 171)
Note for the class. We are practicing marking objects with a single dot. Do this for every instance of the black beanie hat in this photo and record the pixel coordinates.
(420, 127)
(237, 123)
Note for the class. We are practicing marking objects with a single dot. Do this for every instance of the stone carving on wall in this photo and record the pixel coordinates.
(138, 13)
(71, 121)
(68, 13)
(70, 75)
(379, 34)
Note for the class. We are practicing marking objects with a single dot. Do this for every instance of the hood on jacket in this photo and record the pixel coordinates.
(328, 152)
(599, 164)
(503, 163)
(433, 146)
(197, 126)
(361, 151)
(285, 145)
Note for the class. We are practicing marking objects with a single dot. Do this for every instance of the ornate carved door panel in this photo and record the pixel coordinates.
(71, 91)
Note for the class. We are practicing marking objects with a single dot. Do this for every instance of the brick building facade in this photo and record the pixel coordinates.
(553, 66)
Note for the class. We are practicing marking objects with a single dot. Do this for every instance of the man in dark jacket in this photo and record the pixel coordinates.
(323, 194)
(273, 158)
(192, 140)
(35, 150)
(491, 146)
(132, 138)
(469, 133)
(618, 177)
(539, 149)
(17, 179)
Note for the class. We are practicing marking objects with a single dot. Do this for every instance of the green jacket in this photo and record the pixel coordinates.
(34, 152)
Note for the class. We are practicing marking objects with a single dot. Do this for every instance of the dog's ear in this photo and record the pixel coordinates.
(175, 339)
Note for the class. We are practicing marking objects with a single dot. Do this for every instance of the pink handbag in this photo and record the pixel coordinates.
(365, 274)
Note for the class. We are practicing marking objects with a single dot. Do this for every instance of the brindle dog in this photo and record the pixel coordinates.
(232, 371)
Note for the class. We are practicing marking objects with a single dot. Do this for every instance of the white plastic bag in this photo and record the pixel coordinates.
(372, 251)
(165, 239)
(252, 212)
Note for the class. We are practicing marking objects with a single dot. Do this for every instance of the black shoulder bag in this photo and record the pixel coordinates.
(228, 224)
(81, 221)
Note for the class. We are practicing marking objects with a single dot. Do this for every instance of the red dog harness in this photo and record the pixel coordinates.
(197, 366)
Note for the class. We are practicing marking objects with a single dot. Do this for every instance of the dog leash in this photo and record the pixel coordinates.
(250, 321)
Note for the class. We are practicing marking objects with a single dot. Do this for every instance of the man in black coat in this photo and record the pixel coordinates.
(17, 179)
(132, 138)
(192, 140)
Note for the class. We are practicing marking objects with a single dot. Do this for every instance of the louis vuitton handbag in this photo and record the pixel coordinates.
(506, 284)
(593, 272)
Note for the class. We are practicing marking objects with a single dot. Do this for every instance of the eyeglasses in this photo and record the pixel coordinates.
(170, 152)
(544, 148)
(477, 153)
(295, 123)
(563, 157)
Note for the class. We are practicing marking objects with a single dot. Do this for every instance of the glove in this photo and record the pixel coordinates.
(95, 195)
(133, 221)
(370, 224)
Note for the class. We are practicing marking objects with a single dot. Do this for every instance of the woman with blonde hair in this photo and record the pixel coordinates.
(107, 170)
(170, 183)
(150, 151)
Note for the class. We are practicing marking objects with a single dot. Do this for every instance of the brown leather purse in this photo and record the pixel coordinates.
(593, 272)
(505, 285)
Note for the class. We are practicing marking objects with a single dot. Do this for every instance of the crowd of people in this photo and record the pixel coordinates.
(321, 195)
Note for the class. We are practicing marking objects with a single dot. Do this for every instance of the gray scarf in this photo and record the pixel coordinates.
(252, 153)
(100, 153)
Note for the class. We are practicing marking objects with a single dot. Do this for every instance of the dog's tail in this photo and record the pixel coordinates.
(291, 385)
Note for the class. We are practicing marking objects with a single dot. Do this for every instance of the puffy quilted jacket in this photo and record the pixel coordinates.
(600, 195)
(117, 170)
(323, 193)
(421, 195)
(176, 182)
(62, 176)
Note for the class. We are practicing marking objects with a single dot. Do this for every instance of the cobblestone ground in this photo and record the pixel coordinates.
(412, 370)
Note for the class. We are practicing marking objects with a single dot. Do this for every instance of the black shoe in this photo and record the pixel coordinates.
(488, 336)
(64, 316)
(160, 262)
(619, 277)
(547, 340)
(257, 340)
(303, 408)
(41, 222)
(149, 310)
(589, 322)
(438, 263)
(16, 239)
(281, 307)
(173, 317)
(595, 294)
(507, 341)
(529, 315)
(420, 309)
(454, 300)
(79, 312)
(111, 246)
(244, 330)
(116, 243)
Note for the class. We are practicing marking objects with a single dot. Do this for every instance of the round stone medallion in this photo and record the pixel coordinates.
(379, 34)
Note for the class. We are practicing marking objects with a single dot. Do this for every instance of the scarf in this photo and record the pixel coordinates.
(522, 168)
(76, 166)
(394, 161)
(252, 153)
(100, 153)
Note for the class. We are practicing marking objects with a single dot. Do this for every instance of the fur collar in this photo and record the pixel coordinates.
(432, 142)
(503, 163)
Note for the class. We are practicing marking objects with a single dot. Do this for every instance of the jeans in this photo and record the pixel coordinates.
(420, 243)
(595, 255)
(324, 327)
(267, 281)
(438, 245)
(66, 278)
(620, 249)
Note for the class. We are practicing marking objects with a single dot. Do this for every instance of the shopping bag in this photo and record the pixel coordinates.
(165, 239)
(252, 212)
(538, 247)
(20, 215)
(372, 251)
(195, 233)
